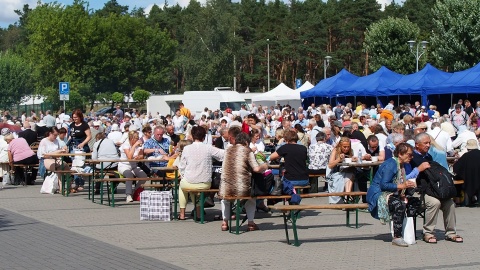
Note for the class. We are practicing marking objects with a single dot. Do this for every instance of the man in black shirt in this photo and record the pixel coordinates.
(28, 134)
(432, 204)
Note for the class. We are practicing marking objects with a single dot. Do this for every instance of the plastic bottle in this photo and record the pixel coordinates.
(359, 156)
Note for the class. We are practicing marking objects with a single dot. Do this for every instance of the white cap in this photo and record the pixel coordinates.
(97, 123)
(115, 127)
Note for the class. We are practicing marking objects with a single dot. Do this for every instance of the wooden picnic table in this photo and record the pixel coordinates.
(165, 169)
(364, 165)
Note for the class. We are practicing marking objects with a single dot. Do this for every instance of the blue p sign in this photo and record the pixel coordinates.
(64, 88)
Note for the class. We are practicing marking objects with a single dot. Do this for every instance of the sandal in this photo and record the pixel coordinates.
(430, 239)
(224, 227)
(454, 238)
(253, 227)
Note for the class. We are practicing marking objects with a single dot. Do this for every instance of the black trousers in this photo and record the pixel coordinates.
(20, 172)
(398, 208)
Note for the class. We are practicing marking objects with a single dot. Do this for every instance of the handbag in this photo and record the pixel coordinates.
(216, 177)
(50, 184)
(277, 186)
(261, 184)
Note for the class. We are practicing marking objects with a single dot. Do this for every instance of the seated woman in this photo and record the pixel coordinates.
(390, 192)
(238, 165)
(256, 144)
(131, 149)
(295, 156)
(342, 176)
(19, 152)
(50, 145)
(196, 166)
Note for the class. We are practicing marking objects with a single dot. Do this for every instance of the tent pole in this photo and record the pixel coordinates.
(451, 99)
(398, 100)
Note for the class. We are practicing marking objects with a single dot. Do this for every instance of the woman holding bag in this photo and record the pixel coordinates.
(389, 195)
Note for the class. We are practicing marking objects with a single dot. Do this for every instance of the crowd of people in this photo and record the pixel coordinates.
(316, 140)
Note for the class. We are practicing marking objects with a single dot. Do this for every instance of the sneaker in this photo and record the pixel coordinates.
(399, 242)
(129, 198)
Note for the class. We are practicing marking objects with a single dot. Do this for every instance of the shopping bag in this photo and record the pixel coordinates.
(409, 231)
(50, 184)
(7, 179)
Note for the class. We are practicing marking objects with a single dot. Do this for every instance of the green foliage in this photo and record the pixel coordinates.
(386, 45)
(456, 34)
(140, 95)
(15, 80)
(117, 97)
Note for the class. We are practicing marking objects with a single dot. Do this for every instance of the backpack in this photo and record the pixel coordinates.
(438, 182)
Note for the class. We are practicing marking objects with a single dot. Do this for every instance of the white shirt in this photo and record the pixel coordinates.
(313, 135)
(259, 145)
(47, 146)
(125, 146)
(442, 138)
(178, 124)
(462, 138)
(115, 136)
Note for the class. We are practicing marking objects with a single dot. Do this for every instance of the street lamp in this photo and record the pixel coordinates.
(326, 63)
(418, 53)
(268, 64)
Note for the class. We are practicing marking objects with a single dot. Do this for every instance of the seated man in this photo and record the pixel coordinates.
(158, 147)
(432, 204)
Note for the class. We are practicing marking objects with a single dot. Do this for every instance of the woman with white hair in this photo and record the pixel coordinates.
(396, 139)
(19, 152)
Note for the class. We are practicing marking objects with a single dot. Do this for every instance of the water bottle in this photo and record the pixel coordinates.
(359, 156)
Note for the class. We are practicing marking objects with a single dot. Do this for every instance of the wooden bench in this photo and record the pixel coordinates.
(26, 168)
(201, 202)
(89, 176)
(295, 211)
(111, 188)
(352, 198)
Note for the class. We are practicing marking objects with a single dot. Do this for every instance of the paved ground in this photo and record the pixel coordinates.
(53, 232)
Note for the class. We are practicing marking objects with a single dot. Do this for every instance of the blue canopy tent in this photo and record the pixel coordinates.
(368, 85)
(330, 87)
(417, 83)
(464, 82)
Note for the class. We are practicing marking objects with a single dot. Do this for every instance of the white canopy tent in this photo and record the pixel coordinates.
(306, 86)
(281, 94)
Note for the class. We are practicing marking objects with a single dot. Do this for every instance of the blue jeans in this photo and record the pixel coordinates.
(298, 182)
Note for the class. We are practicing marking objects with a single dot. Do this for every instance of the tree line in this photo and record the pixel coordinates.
(198, 47)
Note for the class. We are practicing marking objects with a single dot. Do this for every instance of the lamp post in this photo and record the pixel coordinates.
(418, 53)
(326, 63)
(268, 64)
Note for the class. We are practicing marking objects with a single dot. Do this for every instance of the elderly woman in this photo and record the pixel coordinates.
(132, 148)
(389, 195)
(238, 165)
(19, 152)
(318, 155)
(295, 156)
(196, 166)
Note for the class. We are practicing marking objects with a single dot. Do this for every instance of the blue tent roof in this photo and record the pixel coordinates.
(332, 86)
(465, 82)
(368, 85)
(417, 83)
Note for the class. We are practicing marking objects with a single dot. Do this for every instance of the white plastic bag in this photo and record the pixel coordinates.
(7, 179)
(50, 185)
(409, 231)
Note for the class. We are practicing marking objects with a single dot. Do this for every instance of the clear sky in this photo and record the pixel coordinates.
(8, 16)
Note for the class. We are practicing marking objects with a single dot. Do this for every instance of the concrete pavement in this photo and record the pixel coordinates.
(93, 236)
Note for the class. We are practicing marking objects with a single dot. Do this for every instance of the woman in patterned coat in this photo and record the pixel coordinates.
(238, 164)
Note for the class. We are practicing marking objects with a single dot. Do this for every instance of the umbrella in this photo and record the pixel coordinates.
(13, 128)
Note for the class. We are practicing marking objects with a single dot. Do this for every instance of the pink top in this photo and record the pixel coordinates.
(20, 149)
